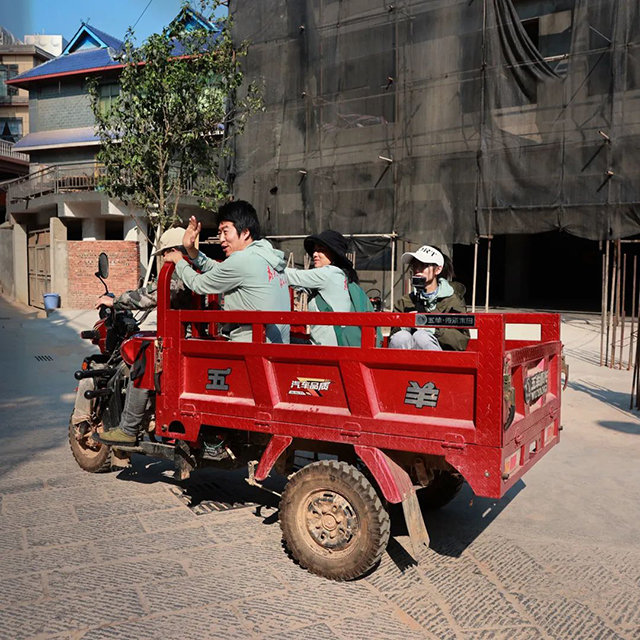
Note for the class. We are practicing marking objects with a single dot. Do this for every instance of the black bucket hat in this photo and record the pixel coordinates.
(335, 242)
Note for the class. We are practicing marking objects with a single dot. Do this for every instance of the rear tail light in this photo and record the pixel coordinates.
(512, 462)
(549, 434)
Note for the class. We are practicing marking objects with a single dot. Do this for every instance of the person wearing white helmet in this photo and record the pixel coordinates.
(433, 291)
(136, 300)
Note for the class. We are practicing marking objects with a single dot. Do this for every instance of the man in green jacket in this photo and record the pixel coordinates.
(252, 277)
(432, 293)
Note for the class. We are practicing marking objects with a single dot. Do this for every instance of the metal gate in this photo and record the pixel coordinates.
(39, 267)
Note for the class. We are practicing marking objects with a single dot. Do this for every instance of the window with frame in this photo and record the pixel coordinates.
(10, 129)
(8, 71)
(109, 94)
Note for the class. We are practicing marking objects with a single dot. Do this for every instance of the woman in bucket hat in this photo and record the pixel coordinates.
(432, 292)
(329, 279)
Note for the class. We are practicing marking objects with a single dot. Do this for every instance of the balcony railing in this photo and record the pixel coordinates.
(6, 150)
(64, 178)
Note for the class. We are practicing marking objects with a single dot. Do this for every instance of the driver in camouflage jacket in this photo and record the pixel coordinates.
(144, 298)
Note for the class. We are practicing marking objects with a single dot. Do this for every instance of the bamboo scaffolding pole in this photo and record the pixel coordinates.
(623, 315)
(392, 290)
(612, 291)
(616, 304)
(633, 312)
(635, 385)
(637, 338)
(604, 309)
(475, 275)
(486, 296)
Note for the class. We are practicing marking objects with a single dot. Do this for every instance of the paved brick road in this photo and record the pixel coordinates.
(123, 556)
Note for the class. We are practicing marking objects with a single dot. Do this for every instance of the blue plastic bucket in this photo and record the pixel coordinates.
(51, 301)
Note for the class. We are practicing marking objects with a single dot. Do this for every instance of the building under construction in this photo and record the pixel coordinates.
(505, 130)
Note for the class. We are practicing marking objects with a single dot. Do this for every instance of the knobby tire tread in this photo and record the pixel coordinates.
(378, 531)
(105, 467)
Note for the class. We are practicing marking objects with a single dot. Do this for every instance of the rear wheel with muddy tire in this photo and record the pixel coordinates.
(90, 455)
(444, 487)
(332, 520)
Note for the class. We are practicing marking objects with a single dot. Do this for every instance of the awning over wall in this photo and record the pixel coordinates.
(79, 137)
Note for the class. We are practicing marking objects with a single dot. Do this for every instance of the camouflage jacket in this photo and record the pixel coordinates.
(449, 339)
(147, 297)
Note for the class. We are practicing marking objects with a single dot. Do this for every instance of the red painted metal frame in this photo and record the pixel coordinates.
(393, 480)
(365, 406)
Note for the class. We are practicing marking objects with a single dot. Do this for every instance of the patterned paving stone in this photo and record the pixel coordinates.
(458, 578)
(60, 616)
(79, 478)
(622, 608)
(592, 578)
(314, 632)
(103, 509)
(532, 573)
(33, 560)
(162, 543)
(11, 541)
(297, 608)
(387, 625)
(167, 519)
(516, 569)
(21, 589)
(564, 618)
(244, 528)
(201, 591)
(54, 514)
(10, 487)
(510, 633)
(54, 535)
(242, 556)
(214, 622)
(424, 608)
(93, 578)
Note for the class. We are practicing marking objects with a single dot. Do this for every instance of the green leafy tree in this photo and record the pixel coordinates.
(163, 137)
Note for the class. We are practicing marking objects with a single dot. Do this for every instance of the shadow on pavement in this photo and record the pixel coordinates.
(618, 399)
(623, 427)
(38, 357)
(454, 527)
(208, 488)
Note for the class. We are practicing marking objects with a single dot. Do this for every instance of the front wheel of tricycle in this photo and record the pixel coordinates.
(90, 455)
(333, 522)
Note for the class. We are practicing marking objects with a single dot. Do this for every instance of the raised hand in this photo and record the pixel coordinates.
(190, 235)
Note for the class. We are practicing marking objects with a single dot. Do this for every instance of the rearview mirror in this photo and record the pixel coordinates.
(103, 265)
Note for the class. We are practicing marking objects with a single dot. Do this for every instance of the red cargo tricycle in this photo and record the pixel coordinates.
(385, 426)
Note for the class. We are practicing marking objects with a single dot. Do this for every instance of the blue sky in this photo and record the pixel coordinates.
(63, 17)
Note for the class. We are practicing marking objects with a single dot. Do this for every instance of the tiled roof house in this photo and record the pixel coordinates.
(61, 200)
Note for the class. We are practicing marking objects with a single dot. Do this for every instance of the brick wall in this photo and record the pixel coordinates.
(84, 287)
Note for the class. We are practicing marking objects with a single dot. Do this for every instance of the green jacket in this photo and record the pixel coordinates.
(449, 339)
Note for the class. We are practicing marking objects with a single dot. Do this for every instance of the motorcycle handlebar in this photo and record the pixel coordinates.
(96, 393)
(94, 373)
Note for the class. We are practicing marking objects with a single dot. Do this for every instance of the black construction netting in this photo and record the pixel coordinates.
(442, 119)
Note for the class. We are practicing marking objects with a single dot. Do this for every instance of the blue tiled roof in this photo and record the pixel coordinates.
(85, 59)
(82, 136)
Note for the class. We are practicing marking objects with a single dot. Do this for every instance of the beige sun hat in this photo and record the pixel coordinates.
(169, 239)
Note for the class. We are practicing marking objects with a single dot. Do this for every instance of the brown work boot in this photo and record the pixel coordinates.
(115, 437)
